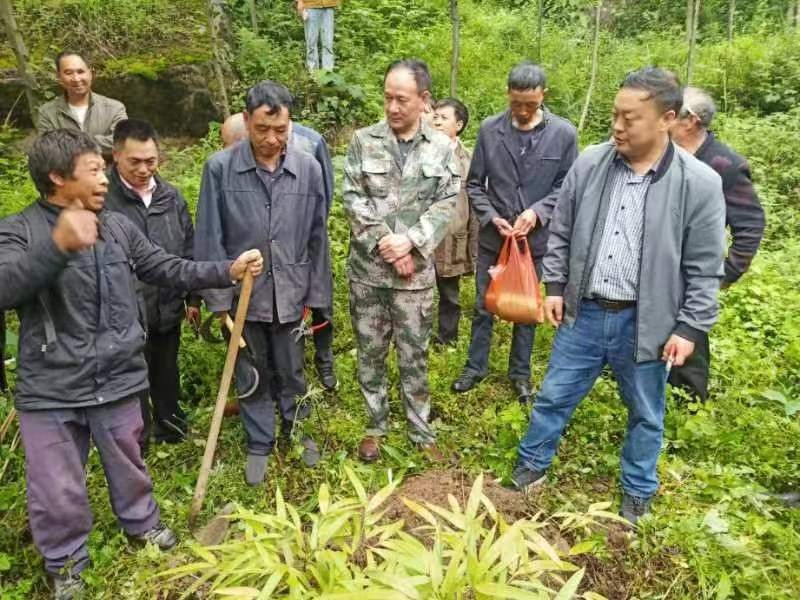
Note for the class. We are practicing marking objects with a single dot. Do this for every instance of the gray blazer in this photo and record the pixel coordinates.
(683, 244)
(503, 184)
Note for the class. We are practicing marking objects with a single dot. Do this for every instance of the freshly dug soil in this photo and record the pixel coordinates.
(434, 486)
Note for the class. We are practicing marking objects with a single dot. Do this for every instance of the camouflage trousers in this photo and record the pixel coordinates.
(379, 316)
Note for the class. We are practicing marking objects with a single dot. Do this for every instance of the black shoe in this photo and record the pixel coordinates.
(634, 507)
(160, 535)
(70, 587)
(524, 390)
(170, 431)
(524, 479)
(327, 377)
(466, 382)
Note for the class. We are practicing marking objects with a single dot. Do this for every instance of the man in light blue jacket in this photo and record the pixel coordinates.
(632, 270)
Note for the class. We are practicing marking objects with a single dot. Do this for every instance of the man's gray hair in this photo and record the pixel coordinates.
(699, 103)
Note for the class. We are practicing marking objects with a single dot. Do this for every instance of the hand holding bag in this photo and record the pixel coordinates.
(513, 293)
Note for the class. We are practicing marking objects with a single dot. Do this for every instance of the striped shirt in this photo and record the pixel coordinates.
(615, 275)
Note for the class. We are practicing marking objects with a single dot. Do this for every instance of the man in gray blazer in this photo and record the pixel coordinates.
(521, 158)
(632, 270)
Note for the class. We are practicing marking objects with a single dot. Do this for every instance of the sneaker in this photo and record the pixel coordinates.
(465, 382)
(634, 507)
(255, 470)
(160, 535)
(524, 479)
(70, 587)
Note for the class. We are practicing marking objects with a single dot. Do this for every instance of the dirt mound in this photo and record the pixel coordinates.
(434, 486)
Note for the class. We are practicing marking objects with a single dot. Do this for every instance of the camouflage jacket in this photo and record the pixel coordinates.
(381, 198)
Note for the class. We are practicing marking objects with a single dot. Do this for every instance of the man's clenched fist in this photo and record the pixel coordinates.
(75, 230)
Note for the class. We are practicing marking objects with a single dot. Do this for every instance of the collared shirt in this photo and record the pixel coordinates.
(615, 275)
(146, 195)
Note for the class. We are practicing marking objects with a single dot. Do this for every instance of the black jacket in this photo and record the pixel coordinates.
(743, 212)
(96, 356)
(167, 223)
(501, 183)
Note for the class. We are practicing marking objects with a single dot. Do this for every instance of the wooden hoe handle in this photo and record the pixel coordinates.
(222, 398)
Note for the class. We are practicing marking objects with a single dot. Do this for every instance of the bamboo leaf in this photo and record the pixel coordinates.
(324, 498)
(421, 511)
(582, 548)
(380, 497)
(474, 498)
(571, 587)
(237, 592)
(357, 485)
(396, 582)
(502, 590)
(280, 505)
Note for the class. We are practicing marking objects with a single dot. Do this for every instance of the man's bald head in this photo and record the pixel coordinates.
(233, 130)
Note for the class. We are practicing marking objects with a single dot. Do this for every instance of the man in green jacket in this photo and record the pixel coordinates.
(317, 17)
(79, 107)
(400, 188)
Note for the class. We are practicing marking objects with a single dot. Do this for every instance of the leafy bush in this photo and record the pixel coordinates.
(347, 550)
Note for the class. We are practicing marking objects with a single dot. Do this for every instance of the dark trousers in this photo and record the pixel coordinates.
(279, 360)
(167, 421)
(519, 360)
(693, 375)
(449, 308)
(3, 382)
(323, 338)
(56, 449)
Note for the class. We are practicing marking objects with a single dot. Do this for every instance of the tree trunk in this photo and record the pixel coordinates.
(215, 18)
(595, 60)
(20, 53)
(456, 44)
(540, 31)
(253, 16)
(731, 19)
(692, 42)
(689, 20)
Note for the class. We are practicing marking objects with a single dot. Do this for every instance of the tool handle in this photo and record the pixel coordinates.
(222, 397)
(229, 325)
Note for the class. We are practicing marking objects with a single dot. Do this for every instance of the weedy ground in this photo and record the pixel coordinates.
(715, 531)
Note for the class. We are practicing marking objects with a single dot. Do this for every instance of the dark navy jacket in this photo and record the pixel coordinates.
(501, 183)
(167, 223)
(97, 354)
(743, 212)
(235, 213)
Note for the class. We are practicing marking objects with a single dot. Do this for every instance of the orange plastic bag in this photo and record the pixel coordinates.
(513, 293)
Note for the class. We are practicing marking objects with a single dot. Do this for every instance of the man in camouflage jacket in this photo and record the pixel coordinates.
(400, 190)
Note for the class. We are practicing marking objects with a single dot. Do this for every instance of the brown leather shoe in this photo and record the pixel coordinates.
(369, 450)
(431, 452)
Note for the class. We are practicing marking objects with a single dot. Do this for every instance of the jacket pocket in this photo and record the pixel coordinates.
(296, 283)
(376, 176)
(121, 292)
(431, 175)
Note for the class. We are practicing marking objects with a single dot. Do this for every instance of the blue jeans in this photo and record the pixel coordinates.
(600, 337)
(319, 27)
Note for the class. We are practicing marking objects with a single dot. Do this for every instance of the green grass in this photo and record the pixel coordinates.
(714, 534)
